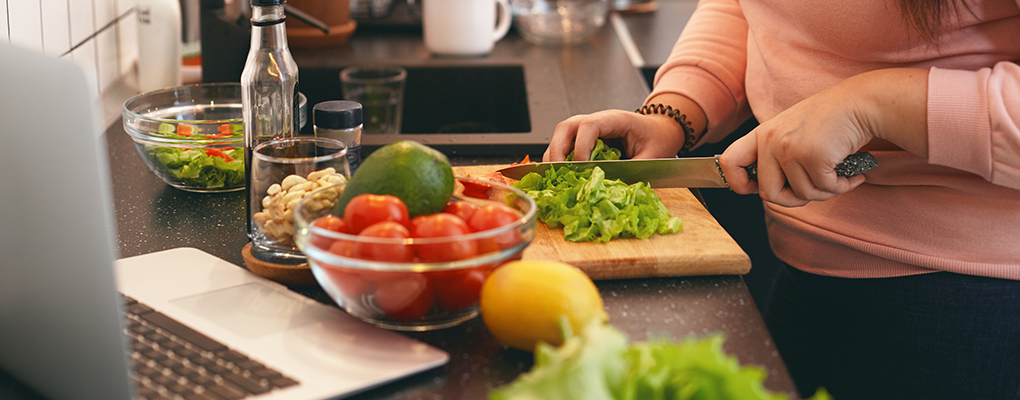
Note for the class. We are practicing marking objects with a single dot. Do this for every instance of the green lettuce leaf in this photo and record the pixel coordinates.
(590, 207)
(194, 168)
(585, 367)
(600, 152)
(598, 364)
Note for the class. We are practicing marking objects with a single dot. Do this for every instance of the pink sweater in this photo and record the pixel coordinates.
(957, 211)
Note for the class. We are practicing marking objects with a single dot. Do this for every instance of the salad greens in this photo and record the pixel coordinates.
(598, 364)
(208, 168)
(202, 168)
(600, 152)
(592, 208)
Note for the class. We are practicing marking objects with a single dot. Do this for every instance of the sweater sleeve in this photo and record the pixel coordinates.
(974, 121)
(707, 64)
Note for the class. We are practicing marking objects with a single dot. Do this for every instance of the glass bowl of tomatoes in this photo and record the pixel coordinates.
(413, 274)
(190, 136)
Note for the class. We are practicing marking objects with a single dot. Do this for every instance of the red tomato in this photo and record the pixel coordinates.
(331, 222)
(343, 248)
(457, 291)
(415, 221)
(367, 209)
(495, 215)
(385, 252)
(405, 299)
(350, 282)
(462, 209)
(486, 245)
(443, 225)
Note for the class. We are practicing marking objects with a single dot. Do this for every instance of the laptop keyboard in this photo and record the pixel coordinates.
(175, 362)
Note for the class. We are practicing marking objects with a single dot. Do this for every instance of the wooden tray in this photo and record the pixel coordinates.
(702, 248)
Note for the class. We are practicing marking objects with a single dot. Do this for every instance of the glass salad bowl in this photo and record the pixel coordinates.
(558, 22)
(190, 136)
(415, 283)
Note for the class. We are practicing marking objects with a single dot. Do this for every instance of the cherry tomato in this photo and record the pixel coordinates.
(491, 216)
(457, 291)
(385, 252)
(444, 225)
(343, 248)
(406, 298)
(462, 209)
(331, 222)
(367, 209)
(350, 282)
(486, 245)
(415, 221)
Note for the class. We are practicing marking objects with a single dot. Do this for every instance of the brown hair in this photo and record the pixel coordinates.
(927, 16)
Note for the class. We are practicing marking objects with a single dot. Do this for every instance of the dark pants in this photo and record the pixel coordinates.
(932, 336)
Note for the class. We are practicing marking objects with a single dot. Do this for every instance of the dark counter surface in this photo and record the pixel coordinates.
(153, 216)
(596, 75)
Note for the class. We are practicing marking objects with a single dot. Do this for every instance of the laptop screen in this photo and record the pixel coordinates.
(62, 331)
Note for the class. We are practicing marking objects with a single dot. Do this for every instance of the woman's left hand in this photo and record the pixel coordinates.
(797, 151)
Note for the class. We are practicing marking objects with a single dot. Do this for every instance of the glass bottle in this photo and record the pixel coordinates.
(269, 87)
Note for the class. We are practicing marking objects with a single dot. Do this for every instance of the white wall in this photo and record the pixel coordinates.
(99, 35)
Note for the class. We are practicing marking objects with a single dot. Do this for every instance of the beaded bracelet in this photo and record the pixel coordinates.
(681, 118)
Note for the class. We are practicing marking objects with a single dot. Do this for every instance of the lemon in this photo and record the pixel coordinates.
(522, 302)
(417, 174)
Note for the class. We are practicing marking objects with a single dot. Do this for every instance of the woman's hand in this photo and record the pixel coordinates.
(797, 151)
(644, 136)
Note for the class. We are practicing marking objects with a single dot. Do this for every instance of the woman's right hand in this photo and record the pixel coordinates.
(644, 136)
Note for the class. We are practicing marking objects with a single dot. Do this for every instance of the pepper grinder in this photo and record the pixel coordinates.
(341, 120)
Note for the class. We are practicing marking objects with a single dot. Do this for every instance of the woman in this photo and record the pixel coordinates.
(903, 282)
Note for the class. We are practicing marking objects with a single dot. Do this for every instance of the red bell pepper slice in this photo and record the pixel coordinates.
(481, 190)
(218, 153)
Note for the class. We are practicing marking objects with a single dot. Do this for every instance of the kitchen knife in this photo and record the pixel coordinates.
(689, 172)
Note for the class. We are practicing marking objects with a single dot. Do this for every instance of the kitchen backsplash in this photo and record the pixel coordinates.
(99, 35)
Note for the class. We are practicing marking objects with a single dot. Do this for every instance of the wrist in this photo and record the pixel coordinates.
(895, 103)
(689, 120)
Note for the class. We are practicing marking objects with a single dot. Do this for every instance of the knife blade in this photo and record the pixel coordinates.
(689, 172)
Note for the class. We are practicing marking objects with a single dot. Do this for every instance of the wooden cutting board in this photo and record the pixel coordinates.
(702, 248)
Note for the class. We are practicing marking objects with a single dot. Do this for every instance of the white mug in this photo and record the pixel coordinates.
(464, 27)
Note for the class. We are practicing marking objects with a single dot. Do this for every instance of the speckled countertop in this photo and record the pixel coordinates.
(152, 216)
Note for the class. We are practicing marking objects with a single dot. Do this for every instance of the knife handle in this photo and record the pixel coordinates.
(854, 164)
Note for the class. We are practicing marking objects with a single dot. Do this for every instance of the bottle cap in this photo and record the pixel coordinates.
(337, 114)
(266, 3)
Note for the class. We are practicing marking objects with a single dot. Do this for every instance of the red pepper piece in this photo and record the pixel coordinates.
(481, 190)
(475, 189)
(526, 160)
(218, 153)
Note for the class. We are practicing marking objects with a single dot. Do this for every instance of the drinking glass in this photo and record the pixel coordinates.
(283, 172)
(380, 90)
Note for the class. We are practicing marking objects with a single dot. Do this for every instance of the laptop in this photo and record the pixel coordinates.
(78, 324)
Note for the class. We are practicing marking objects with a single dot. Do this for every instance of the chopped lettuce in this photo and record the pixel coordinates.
(203, 169)
(195, 168)
(586, 367)
(592, 208)
(600, 152)
(598, 364)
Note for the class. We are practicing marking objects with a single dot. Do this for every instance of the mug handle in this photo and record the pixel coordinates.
(503, 25)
